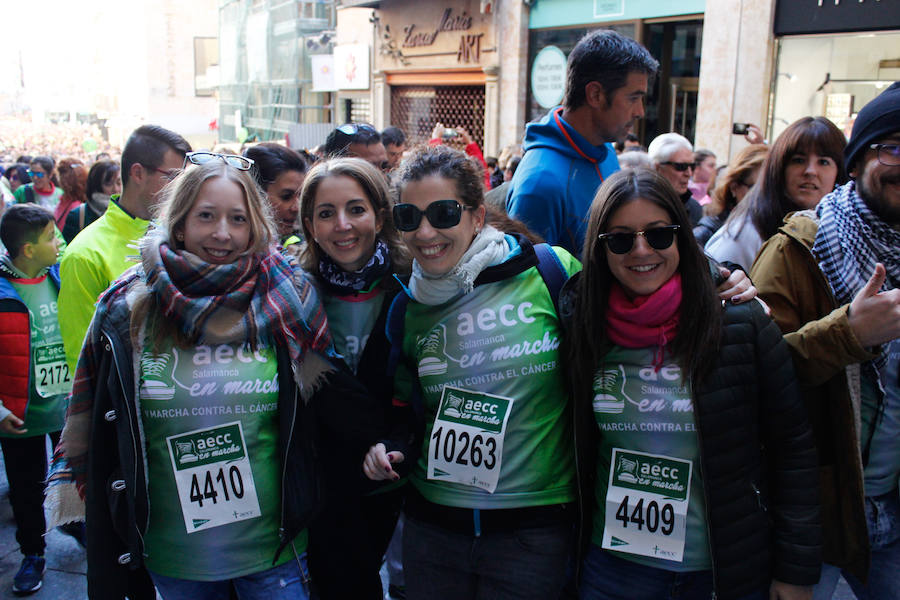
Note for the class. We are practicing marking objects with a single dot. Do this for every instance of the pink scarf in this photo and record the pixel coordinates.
(646, 320)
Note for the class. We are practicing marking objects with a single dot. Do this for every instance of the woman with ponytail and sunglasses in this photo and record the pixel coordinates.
(697, 470)
(206, 381)
(351, 250)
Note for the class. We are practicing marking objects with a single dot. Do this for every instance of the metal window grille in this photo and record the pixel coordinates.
(415, 110)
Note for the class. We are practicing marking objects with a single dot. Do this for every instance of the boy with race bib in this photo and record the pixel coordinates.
(34, 378)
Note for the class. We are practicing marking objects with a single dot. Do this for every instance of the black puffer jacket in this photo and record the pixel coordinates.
(757, 456)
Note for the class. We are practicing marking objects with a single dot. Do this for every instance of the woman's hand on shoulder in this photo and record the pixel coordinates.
(378, 461)
(737, 287)
(786, 591)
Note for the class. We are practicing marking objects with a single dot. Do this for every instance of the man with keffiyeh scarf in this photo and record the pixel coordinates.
(832, 279)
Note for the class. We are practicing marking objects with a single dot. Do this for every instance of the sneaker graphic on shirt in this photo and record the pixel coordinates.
(626, 470)
(185, 452)
(609, 391)
(433, 346)
(155, 381)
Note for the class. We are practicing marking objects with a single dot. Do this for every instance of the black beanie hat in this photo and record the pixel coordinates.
(877, 119)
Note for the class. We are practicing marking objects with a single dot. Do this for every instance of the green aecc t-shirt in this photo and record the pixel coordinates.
(497, 433)
(652, 510)
(210, 419)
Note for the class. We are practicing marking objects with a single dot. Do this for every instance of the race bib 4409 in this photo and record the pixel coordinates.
(213, 477)
(466, 444)
(646, 504)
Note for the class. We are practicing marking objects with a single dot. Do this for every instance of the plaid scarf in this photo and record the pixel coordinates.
(258, 300)
(252, 301)
(849, 241)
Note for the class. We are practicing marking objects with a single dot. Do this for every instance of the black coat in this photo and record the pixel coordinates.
(117, 503)
(757, 457)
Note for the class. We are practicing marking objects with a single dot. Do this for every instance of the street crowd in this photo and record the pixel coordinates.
(584, 369)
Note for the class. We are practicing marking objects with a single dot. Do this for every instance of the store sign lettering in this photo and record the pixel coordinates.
(448, 22)
(469, 48)
(838, 2)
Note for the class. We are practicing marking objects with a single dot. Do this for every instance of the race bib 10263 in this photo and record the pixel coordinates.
(466, 444)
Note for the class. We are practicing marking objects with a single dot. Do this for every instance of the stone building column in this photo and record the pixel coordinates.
(381, 101)
(511, 23)
(736, 65)
(491, 109)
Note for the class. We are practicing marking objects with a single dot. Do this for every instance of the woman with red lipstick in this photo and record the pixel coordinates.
(351, 250)
(696, 470)
(804, 164)
(206, 383)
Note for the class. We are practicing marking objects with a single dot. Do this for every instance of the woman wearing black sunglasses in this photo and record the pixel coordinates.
(489, 511)
(44, 187)
(696, 463)
(351, 250)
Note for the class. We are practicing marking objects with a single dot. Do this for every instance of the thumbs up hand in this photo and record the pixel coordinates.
(875, 316)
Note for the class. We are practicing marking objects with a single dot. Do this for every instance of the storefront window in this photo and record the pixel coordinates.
(832, 76)
(672, 102)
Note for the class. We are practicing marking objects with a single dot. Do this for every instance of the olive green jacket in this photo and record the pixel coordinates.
(826, 357)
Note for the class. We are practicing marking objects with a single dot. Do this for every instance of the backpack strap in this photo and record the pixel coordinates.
(552, 271)
(81, 210)
(394, 329)
(29, 194)
(396, 318)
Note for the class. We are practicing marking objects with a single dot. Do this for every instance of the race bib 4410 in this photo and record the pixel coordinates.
(213, 476)
(646, 504)
(466, 444)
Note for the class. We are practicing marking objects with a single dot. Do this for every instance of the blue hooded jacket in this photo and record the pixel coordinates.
(555, 183)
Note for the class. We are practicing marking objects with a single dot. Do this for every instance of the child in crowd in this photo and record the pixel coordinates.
(34, 378)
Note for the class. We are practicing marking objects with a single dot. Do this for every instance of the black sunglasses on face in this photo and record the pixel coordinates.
(680, 166)
(659, 238)
(442, 214)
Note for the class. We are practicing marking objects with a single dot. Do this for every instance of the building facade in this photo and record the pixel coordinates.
(770, 62)
(460, 63)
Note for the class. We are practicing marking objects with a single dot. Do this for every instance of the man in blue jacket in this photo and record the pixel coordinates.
(569, 152)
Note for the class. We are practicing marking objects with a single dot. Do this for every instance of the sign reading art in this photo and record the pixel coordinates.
(436, 36)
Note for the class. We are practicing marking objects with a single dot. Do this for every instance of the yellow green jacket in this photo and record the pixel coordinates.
(95, 258)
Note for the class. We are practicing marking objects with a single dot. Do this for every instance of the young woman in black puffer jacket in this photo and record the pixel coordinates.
(697, 469)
